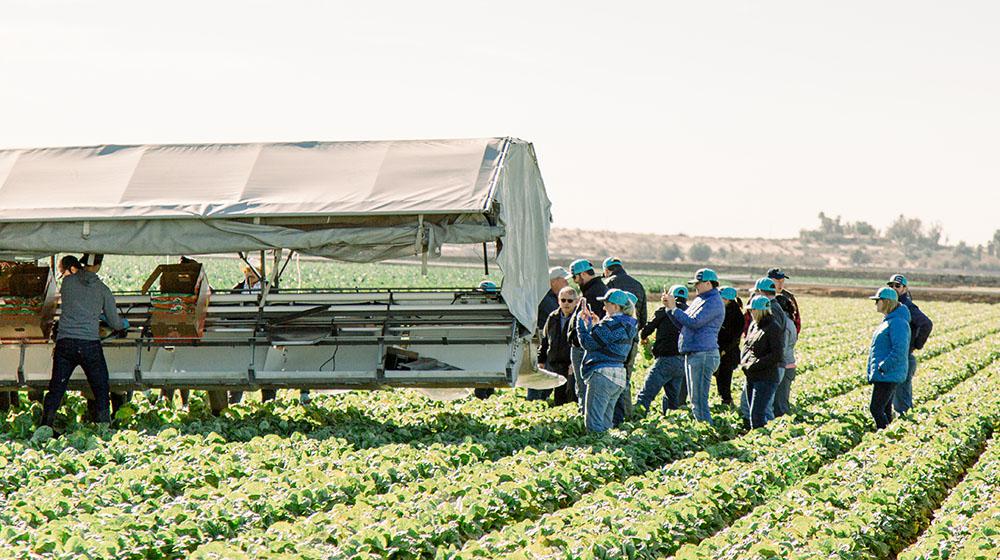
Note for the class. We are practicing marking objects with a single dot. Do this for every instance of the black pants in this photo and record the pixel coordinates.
(70, 353)
(881, 406)
(724, 375)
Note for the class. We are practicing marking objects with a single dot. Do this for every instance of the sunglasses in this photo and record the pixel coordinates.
(567, 300)
(895, 285)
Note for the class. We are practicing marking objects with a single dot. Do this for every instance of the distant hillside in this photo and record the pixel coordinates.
(844, 255)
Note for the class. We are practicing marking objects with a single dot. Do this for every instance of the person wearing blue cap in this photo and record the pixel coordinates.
(762, 354)
(616, 277)
(920, 329)
(765, 287)
(887, 358)
(592, 290)
(699, 340)
(667, 372)
(607, 343)
(730, 336)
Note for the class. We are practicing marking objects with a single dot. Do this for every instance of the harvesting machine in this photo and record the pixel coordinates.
(349, 201)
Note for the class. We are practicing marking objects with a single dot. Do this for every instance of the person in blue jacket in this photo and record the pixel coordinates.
(606, 343)
(920, 329)
(699, 341)
(887, 359)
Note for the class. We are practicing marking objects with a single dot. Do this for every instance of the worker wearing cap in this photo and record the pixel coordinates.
(730, 336)
(920, 329)
(667, 372)
(84, 299)
(779, 277)
(761, 358)
(888, 357)
(787, 302)
(699, 340)
(765, 287)
(592, 290)
(616, 277)
(607, 343)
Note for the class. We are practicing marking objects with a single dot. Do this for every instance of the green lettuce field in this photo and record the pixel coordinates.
(391, 474)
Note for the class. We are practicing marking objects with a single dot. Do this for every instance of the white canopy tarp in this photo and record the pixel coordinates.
(353, 201)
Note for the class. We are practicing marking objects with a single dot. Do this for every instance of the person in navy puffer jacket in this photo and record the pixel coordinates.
(888, 359)
(606, 345)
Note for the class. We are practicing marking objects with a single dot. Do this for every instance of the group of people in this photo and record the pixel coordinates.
(591, 334)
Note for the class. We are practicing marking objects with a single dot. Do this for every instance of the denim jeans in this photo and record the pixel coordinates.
(576, 361)
(759, 393)
(623, 408)
(770, 403)
(667, 373)
(769, 411)
(881, 405)
(902, 398)
(68, 354)
(783, 393)
(698, 369)
(598, 409)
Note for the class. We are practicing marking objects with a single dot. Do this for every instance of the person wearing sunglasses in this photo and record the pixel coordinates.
(920, 329)
(553, 354)
(887, 358)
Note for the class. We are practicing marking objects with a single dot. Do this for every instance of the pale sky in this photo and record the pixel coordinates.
(704, 118)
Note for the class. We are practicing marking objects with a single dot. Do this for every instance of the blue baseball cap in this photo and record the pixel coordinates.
(765, 285)
(886, 293)
(728, 292)
(704, 275)
(760, 303)
(580, 265)
(897, 279)
(488, 286)
(612, 261)
(678, 291)
(619, 297)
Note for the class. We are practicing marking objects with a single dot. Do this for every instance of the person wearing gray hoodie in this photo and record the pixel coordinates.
(85, 298)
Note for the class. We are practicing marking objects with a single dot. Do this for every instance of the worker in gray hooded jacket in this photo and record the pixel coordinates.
(85, 299)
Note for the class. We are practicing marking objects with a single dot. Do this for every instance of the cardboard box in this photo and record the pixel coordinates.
(179, 310)
(27, 301)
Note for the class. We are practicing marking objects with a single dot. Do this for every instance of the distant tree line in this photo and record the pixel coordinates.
(911, 234)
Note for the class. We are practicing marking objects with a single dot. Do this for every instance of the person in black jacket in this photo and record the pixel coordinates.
(762, 356)
(616, 277)
(553, 354)
(593, 290)
(558, 279)
(920, 329)
(668, 370)
(729, 344)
